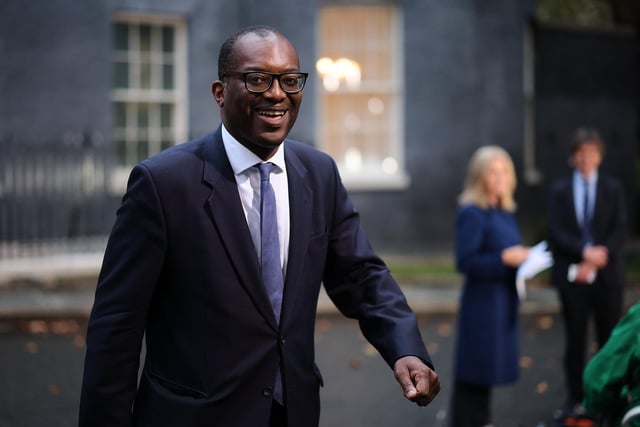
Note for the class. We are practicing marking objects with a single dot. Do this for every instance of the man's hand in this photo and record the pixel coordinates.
(597, 255)
(586, 273)
(420, 384)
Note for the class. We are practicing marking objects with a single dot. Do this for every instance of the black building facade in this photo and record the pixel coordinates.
(107, 81)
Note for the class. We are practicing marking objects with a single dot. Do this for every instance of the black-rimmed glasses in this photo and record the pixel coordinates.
(261, 81)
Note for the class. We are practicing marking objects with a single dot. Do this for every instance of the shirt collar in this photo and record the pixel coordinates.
(241, 158)
(591, 180)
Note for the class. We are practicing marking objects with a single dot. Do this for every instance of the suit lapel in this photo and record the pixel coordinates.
(226, 212)
(300, 196)
(571, 202)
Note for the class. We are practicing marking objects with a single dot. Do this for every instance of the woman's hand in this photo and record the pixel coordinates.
(513, 256)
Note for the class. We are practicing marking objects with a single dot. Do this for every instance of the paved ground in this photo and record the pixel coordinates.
(41, 367)
(43, 321)
(64, 285)
(360, 389)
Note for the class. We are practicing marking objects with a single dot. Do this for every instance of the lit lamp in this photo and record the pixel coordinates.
(332, 72)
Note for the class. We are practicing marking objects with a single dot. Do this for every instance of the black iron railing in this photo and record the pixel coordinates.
(55, 195)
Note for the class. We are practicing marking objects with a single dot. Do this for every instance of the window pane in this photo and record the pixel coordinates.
(362, 34)
(359, 92)
(167, 39)
(144, 69)
(145, 38)
(121, 37)
(143, 149)
(121, 114)
(167, 76)
(121, 151)
(166, 111)
(143, 115)
(145, 75)
(121, 75)
(143, 134)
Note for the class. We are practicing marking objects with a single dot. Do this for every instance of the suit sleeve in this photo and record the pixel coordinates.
(131, 266)
(616, 228)
(361, 286)
(562, 240)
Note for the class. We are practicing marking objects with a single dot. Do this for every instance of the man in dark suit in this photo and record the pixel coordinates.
(587, 228)
(185, 262)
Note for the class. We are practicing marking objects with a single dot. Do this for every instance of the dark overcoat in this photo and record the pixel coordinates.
(487, 350)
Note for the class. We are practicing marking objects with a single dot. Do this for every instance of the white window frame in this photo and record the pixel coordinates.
(371, 175)
(155, 95)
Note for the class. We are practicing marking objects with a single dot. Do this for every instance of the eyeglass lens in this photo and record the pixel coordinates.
(261, 82)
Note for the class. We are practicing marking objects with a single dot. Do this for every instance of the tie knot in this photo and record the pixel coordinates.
(265, 170)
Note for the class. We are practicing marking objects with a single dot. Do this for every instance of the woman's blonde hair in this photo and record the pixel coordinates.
(474, 192)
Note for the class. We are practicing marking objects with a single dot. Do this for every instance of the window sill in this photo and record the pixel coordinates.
(376, 182)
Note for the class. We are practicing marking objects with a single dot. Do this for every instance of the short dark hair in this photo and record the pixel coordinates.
(225, 57)
(586, 135)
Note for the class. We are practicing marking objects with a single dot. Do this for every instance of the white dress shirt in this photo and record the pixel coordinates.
(248, 180)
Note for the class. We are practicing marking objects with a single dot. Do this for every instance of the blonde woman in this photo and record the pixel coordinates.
(488, 251)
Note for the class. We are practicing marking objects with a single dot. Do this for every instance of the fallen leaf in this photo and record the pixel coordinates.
(31, 346)
(542, 387)
(78, 341)
(369, 350)
(64, 327)
(526, 362)
(54, 390)
(38, 327)
(545, 322)
(356, 363)
(323, 324)
(444, 329)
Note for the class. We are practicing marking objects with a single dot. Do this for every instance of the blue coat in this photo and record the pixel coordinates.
(487, 350)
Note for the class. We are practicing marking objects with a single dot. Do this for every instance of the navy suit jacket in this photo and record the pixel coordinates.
(180, 269)
(608, 228)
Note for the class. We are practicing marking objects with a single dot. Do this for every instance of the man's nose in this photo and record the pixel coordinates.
(276, 89)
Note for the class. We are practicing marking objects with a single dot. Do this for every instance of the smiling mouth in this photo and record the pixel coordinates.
(272, 113)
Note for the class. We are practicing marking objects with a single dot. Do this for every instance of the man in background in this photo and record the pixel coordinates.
(587, 228)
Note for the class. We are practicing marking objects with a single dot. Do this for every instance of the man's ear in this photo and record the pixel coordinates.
(217, 89)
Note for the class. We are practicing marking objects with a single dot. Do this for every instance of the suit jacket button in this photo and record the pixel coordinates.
(282, 340)
(267, 391)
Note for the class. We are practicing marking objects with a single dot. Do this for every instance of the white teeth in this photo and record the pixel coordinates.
(272, 113)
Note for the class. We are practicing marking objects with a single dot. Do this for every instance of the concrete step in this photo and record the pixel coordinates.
(59, 285)
(42, 302)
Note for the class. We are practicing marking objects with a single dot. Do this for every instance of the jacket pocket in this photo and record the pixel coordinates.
(174, 387)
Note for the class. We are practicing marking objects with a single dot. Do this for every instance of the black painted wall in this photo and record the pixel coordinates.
(585, 78)
(463, 78)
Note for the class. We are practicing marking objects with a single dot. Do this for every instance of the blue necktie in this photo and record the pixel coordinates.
(270, 254)
(269, 242)
(586, 216)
